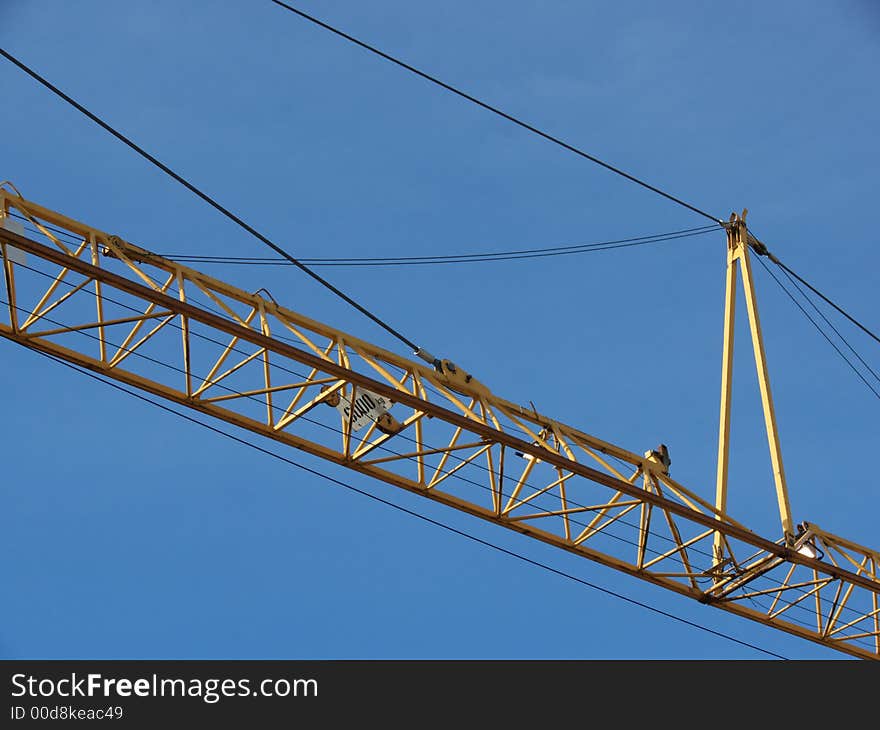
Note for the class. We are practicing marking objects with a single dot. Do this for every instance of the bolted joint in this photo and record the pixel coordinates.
(132, 253)
(458, 379)
(331, 399)
(388, 424)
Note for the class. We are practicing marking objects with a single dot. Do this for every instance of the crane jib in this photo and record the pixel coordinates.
(449, 430)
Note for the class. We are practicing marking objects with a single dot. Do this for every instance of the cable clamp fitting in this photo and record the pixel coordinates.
(758, 247)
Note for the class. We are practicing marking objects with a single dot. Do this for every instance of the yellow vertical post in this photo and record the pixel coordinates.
(184, 334)
(99, 300)
(726, 386)
(764, 384)
(8, 272)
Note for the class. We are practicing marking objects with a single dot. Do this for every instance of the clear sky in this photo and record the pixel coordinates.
(125, 533)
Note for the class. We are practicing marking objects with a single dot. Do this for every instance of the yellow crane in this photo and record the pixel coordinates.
(95, 300)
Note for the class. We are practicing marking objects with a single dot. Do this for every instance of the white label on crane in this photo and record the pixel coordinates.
(15, 255)
(368, 406)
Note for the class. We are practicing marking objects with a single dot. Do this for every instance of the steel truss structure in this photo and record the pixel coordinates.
(99, 302)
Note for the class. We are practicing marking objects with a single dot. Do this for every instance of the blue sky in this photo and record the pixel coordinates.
(125, 533)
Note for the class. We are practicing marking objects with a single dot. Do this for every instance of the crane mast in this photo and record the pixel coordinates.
(97, 301)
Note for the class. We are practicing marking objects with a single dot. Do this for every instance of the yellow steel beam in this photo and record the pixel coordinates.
(764, 385)
(726, 387)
